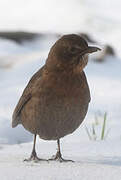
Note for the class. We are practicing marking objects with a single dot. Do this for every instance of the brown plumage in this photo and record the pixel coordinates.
(56, 99)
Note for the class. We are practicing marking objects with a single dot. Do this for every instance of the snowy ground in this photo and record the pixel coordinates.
(93, 159)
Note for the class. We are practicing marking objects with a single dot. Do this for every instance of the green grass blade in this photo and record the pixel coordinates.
(103, 127)
(94, 132)
(87, 131)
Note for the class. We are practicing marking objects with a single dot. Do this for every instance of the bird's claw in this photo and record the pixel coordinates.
(58, 157)
(34, 159)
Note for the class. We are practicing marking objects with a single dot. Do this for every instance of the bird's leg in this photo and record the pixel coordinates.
(34, 156)
(58, 156)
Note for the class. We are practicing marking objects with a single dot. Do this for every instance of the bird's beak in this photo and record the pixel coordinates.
(89, 50)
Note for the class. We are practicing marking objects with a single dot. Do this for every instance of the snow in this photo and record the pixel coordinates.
(18, 62)
(93, 160)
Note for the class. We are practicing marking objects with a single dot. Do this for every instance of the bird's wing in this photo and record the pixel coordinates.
(26, 96)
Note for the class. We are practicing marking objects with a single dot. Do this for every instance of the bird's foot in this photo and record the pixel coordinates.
(34, 158)
(58, 157)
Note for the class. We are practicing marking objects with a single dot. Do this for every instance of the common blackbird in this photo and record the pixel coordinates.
(55, 101)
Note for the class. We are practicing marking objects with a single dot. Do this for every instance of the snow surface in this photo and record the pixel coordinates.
(94, 160)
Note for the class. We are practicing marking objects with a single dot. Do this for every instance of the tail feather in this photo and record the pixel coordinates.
(15, 120)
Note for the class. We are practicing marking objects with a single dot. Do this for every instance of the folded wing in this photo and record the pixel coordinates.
(26, 96)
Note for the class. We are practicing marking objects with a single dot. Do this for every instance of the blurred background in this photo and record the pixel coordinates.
(28, 28)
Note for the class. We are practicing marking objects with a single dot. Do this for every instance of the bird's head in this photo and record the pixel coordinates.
(70, 52)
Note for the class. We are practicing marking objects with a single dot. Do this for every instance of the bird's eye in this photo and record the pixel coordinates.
(73, 50)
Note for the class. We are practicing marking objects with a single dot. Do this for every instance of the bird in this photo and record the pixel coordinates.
(55, 101)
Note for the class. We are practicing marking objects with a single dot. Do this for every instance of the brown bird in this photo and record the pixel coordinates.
(56, 99)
